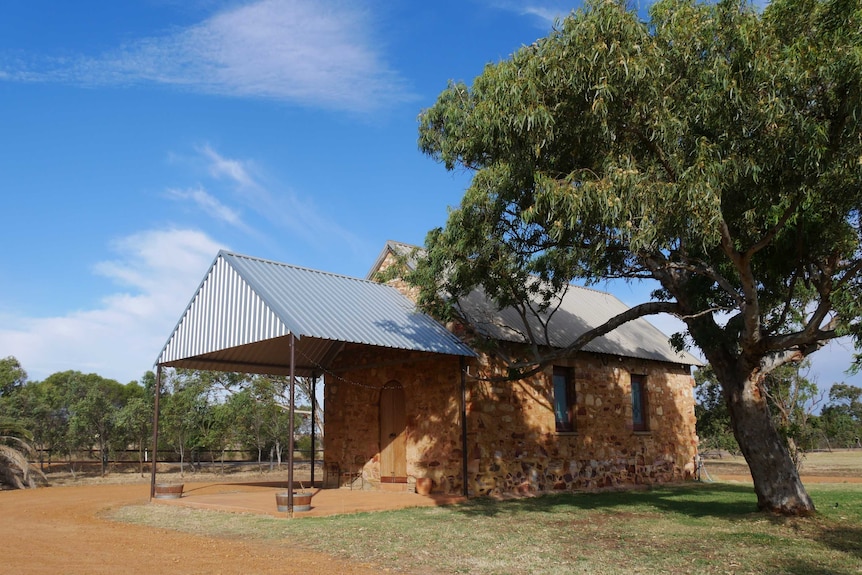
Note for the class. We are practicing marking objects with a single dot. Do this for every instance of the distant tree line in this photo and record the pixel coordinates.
(71, 416)
(794, 401)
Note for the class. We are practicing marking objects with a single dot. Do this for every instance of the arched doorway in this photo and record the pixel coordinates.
(393, 442)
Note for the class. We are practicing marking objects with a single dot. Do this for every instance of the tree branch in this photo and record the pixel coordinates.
(633, 313)
(773, 231)
(750, 307)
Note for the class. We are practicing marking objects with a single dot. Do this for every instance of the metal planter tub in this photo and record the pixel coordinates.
(301, 500)
(168, 490)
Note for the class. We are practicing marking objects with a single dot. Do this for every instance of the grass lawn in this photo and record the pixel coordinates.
(692, 528)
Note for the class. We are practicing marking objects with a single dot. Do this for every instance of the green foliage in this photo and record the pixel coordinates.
(841, 419)
(183, 412)
(713, 419)
(12, 376)
(714, 149)
(71, 413)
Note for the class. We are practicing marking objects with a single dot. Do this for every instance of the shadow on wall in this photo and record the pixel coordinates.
(512, 442)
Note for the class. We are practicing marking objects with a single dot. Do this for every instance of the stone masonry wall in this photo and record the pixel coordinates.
(512, 445)
(432, 392)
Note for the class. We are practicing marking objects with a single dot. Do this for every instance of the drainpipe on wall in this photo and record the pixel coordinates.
(313, 411)
(290, 444)
(463, 362)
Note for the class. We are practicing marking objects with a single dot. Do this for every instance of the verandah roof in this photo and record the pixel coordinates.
(245, 308)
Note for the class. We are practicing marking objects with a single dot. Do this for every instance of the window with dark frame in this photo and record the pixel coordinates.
(564, 398)
(639, 403)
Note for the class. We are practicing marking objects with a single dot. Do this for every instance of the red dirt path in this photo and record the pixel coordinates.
(60, 530)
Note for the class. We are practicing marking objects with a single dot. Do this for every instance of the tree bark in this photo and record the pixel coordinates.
(776, 479)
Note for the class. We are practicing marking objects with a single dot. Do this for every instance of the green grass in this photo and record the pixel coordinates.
(696, 528)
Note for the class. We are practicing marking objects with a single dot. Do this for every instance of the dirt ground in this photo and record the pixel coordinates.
(839, 466)
(61, 530)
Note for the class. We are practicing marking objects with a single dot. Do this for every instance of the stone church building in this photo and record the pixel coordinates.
(618, 413)
(410, 402)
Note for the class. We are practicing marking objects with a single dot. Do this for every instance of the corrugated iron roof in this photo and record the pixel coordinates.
(245, 307)
(581, 309)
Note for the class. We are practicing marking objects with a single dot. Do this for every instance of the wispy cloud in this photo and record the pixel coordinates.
(209, 204)
(544, 13)
(275, 202)
(235, 170)
(317, 53)
(155, 273)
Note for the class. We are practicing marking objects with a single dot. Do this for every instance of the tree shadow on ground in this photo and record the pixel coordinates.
(846, 539)
(694, 500)
(719, 501)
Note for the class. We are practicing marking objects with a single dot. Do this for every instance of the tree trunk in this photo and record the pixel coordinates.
(776, 479)
(103, 455)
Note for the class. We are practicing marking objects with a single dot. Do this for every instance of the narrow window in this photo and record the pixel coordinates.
(639, 404)
(564, 399)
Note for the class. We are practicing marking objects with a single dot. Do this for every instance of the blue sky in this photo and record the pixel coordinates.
(140, 137)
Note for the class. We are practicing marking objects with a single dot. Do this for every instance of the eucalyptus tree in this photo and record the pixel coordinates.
(135, 422)
(714, 149)
(184, 412)
(793, 399)
(713, 419)
(841, 418)
(255, 407)
(12, 375)
(42, 408)
(94, 404)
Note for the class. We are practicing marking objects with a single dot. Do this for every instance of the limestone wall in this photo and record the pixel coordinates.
(512, 442)
(513, 445)
(432, 391)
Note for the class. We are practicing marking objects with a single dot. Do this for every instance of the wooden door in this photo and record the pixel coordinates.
(393, 443)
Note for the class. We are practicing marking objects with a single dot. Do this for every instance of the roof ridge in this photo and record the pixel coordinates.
(390, 243)
(297, 267)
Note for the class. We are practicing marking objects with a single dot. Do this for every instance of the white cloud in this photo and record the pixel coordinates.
(316, 53)
(276, 203)
(156, 273)
(209, 204)
(234, 170)
(545, 13)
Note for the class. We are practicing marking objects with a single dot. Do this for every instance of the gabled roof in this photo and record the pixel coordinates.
(398, 249)
(580, 310)
(244, 309)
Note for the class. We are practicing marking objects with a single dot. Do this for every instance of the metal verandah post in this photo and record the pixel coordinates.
(313, 411)
(158, 393)
(290, 438)
(463, 363)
